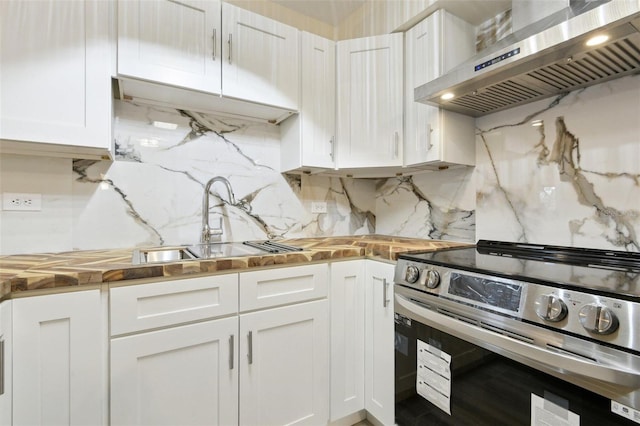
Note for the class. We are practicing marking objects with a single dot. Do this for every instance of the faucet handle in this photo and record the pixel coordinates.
(216, 230)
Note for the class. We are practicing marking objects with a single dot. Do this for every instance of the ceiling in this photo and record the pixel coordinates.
(330, 11)
(335, 11)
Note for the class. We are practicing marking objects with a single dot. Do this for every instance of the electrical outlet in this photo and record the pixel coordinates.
(318, 207)
(21, 202)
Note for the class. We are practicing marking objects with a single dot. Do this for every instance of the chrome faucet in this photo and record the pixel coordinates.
(207, 232)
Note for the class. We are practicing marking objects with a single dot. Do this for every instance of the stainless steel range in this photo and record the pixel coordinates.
(551, 333)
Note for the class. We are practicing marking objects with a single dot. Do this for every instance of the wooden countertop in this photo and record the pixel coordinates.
(29, 272)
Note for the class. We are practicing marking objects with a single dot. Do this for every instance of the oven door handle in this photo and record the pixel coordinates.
(521, 351)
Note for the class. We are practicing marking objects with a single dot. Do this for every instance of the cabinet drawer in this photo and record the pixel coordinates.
(147, 306)
(274, 287)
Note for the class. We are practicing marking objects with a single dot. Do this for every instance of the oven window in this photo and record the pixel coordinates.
(486, 388)
(488, 292)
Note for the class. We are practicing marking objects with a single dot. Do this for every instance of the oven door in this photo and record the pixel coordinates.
(445, 374)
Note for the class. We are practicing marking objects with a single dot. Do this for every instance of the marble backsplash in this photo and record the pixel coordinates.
(563, 171)
(573, 180)
(152, 194)
(154, 189)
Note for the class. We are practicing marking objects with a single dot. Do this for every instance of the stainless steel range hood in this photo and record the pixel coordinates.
(554, 60)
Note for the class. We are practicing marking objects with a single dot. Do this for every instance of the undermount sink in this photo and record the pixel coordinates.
(161, 255)
(214, 250)
(208, 251)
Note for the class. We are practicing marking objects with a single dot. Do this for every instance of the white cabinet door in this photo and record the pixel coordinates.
(59, 349)
(185, 375)
(5, 363)
(308, 138)
(260, 59)
(379, 330)
(55, 73)
(171, 42)
(435, 45)
(347, 299)
(370, 102)
(284, 361)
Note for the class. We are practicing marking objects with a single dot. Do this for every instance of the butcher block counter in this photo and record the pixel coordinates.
(32, 274)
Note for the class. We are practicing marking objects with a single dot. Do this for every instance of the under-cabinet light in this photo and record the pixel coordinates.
(447, 96)
(596, 40)
(149, 143)
(165, 125)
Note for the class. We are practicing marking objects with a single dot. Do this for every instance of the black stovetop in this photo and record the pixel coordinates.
(606, 272)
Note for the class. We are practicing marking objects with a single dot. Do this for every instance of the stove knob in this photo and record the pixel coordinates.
(432, 278)
(598, 319)
(411, 274)
(550, 308)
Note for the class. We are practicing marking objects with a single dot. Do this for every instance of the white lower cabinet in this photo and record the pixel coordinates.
(379, 352)
(284, 364)
(182, 365)
(182, 354)
(5, 363)
(284, 346)
(362, 328)
(185, 375)
(347, 338)
(58, 364)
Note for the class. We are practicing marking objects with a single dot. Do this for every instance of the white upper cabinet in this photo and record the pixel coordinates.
(171, 42)
(370, 102)
(308, 138)
(207, 56)
(55, 77)
(433, 136)
(260, 59)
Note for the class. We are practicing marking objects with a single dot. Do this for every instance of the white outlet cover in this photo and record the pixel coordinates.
(25, 202)
(318, 207)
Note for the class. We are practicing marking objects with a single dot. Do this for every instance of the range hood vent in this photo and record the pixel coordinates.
(553, 61)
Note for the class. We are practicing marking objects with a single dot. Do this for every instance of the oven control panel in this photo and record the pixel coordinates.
(590, 315)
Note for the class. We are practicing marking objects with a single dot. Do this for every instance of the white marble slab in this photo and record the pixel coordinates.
(153, 193)
(435, 205)
(574, 180)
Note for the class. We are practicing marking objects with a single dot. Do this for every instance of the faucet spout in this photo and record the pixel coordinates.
(206, 234)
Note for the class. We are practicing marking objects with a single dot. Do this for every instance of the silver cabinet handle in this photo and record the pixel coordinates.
(428, 144)
(230, 46)
(331, 142)
(213, 55)
(385, 293)
(250, 354)
(231, 349)
(1, 367)
(396, 142)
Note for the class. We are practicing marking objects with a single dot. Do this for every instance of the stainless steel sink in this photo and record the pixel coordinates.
(161, 255)
(215, 250)
(208, 251)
